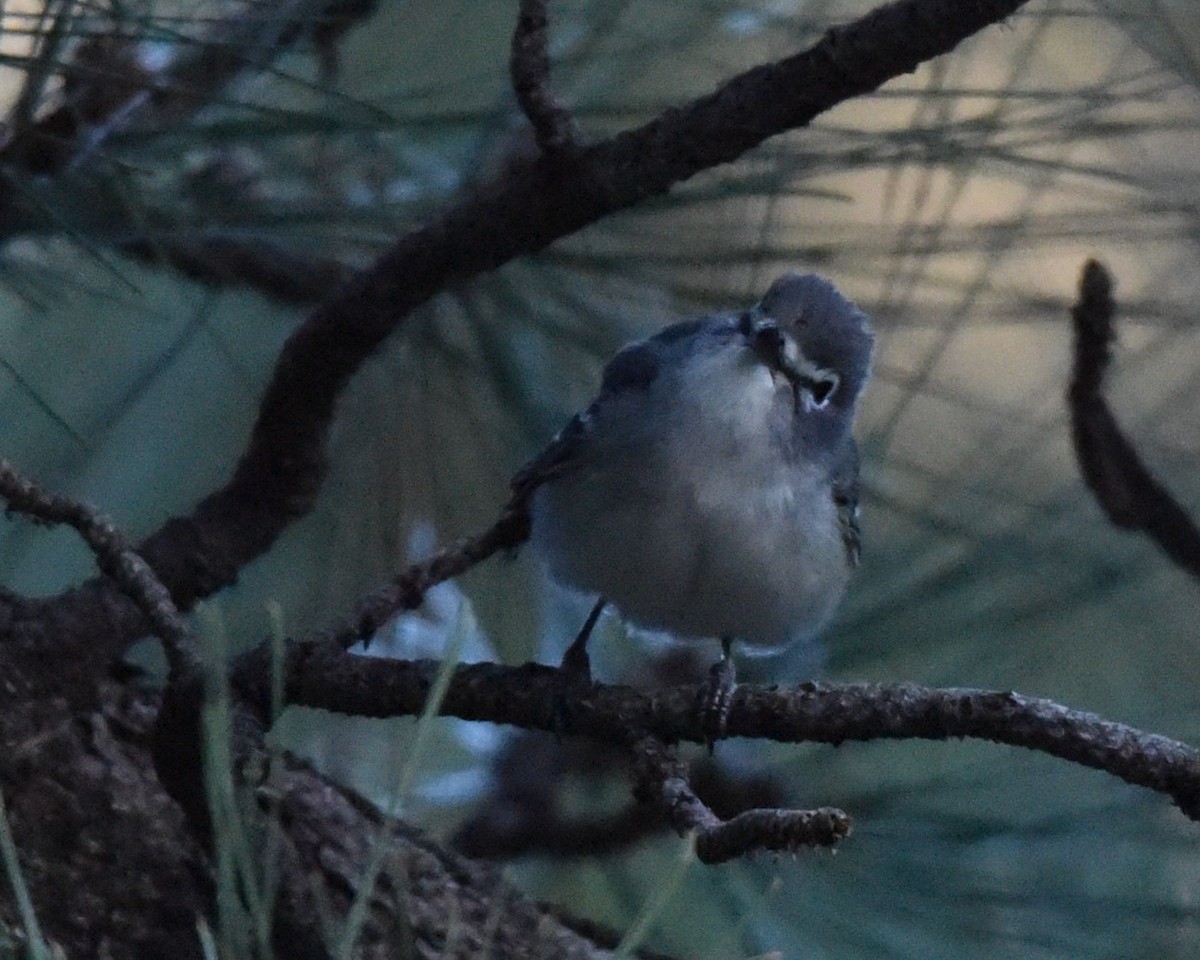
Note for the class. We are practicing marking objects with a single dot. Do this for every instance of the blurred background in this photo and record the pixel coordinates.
(150, 273)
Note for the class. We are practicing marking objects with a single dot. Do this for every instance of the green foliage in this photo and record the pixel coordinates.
(32, 945)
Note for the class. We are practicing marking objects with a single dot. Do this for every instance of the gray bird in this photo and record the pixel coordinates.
(711, 488)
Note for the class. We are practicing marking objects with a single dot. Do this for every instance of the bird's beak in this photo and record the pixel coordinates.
(817, 391)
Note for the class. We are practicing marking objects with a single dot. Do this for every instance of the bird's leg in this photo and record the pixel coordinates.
(576, 661)
(576, 672)
(716, 695)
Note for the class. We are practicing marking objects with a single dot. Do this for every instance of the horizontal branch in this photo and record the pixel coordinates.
(322, 675)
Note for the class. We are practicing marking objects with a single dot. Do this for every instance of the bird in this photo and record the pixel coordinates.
(710, 490)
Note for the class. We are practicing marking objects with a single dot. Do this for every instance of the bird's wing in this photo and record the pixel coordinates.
(632, 369)
(844, 478)
(558, 455)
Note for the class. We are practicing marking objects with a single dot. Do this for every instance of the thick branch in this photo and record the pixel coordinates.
(1123, 485)
(426, 902)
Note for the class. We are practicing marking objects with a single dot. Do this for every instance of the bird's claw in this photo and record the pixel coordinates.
(715, 698)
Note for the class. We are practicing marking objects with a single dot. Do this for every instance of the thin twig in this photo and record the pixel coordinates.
(529, 66)
(114, 556)
(407, 590)
(1121, 482)
(662, 777)
(523, 814)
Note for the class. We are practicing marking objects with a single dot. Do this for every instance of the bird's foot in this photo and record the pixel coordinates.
(576, 664)
(716, 696)
(576, 670)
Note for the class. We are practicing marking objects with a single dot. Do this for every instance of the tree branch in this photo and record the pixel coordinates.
(522, 814)
(322, 675)
(662, 777)
(1122, 483)
(114, 556)
(529, 65)
(407, 590)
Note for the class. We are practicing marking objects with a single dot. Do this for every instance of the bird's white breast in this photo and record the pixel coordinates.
(686, 514)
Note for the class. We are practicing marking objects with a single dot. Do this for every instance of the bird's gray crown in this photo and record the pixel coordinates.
(830, 330)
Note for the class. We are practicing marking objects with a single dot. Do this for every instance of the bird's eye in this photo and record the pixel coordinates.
(768, 341)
